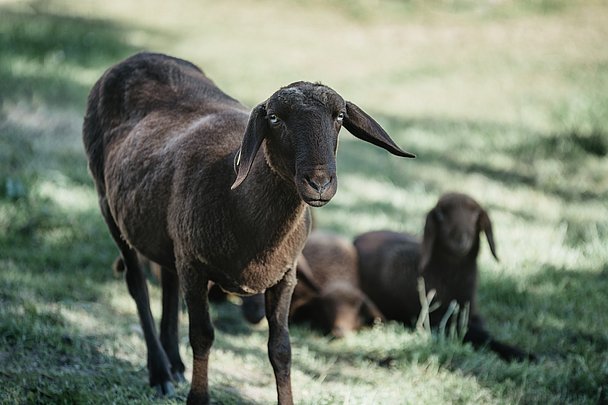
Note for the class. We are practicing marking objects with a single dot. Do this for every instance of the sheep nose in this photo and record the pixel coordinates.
(320, 184)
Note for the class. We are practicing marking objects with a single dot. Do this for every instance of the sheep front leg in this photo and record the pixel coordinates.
(194, 286)
(278, 299)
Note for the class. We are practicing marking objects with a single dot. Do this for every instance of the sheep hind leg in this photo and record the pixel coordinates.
(278, 299)
(158, 363)
(169, 336)
(194, 285)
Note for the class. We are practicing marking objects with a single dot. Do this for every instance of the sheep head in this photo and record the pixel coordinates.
(336, 308)
(300, 124)
(346, 309)
(453, 226)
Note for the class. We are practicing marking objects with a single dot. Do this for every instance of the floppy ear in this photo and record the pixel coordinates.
(371, 311)
(305, 275)
(254, 135)
(309, 295)
(364, 127)
(486, 225)
(428, 240)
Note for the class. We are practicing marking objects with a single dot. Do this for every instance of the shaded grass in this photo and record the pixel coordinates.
(44, 55)
(462, 84)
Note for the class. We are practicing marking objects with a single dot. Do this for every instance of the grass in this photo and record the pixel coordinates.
(506, 100)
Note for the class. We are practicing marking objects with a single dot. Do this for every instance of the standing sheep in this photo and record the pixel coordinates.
(176, 166)
(328, 294)
(390, 264)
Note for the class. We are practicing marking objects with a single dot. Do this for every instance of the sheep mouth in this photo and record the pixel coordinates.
(316, 202)
(314, 198)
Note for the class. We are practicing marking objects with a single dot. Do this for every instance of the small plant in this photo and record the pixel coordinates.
(453, 324)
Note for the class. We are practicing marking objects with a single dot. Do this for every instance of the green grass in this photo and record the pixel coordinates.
(505, 100)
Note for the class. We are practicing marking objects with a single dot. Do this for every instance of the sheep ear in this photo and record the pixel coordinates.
(309, 296)
(486, 225)
(428, 240)
(364, 127)
(371, 311)
(254, 135)
(305, 275)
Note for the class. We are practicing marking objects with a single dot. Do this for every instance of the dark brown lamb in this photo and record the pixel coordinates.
(328, 294)
(390, 264)
(176, 166)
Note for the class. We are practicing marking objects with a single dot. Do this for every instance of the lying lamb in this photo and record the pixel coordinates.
(328, 294)
(390, 264)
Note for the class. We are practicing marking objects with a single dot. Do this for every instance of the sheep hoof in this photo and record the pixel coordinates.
(165, 389)
(179, 378)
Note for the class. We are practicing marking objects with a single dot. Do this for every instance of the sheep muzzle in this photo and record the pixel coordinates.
(317, 185)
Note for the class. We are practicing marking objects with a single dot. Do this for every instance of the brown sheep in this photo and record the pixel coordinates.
(390, 264)
(328, 294)
(180, 180)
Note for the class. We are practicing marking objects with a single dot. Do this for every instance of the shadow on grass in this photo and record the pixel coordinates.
(559, 316)
(455, 153)
(51, 255)
(49, 363)
(453, 140)
(60, 263)
(41, 51)
(564, 312)
(229, 319)
(43, 56)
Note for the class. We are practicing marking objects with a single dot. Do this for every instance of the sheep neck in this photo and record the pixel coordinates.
(265, 233)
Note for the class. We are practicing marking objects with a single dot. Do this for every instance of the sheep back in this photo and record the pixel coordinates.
(388, 263)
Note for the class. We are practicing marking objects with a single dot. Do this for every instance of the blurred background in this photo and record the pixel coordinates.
(506, 100)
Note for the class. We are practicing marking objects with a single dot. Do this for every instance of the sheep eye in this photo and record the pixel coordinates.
(340, 116)
(273, 118)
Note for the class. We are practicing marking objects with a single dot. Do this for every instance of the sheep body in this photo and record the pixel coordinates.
(170, 152)
(163, 157)
(334, 256)
(149, 165)
(446, 258)
(388, 267)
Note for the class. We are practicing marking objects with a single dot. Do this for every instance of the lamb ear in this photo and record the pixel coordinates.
(254, 135)
(366, 128)
(308, 296)
(486, 225)
(371, 311)
(428, 240)
(305, 275)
